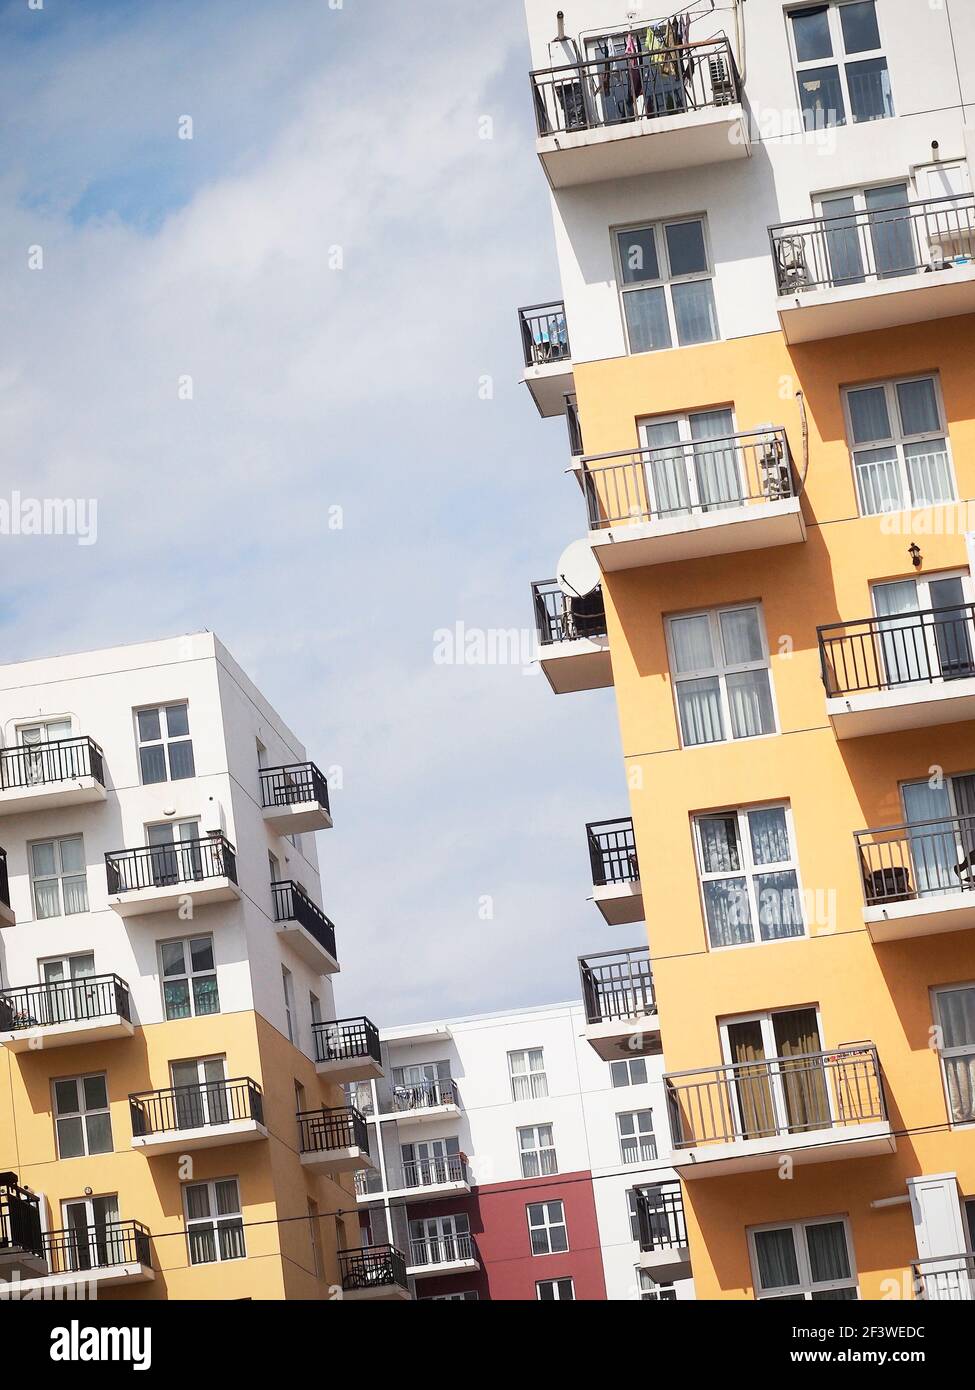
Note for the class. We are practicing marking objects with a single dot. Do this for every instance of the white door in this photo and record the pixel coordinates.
(67, 1000)
(92, 1237)
(201, 1097)
(43, 764)
(170, 864)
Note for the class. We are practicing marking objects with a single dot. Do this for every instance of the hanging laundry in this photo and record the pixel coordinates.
(636, 79)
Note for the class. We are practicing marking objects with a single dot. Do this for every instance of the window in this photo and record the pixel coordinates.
(527, 1072)
(941, 855)
(546, 1227)
(314, 1230)
(440, 1239)
(748, 874)
(70, 997)
(720, 665)
(201, 1097)
(805, 1261)
(899, 444)
(468, 1296)
(665, 284)
(289, 1002)
(189, 977)
(637, 1144)
(916, 649)
(632, 1071)
(869, 232)
(537, 1147)
(651, 1292)
(429, 1162)
(773, 1094)
(214, 1224)
(555, 1291)
(165, 746)
(95, 1237)
(314, 1007)
(632, 1213)
(955, 1016)
(694, 464)
(81, 1116)
(58, 877)
(840, 65)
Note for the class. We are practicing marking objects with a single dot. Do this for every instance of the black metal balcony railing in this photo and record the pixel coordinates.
(544, 334)
(165, 866)
(691, 478)
(561, 618)
(346, 1040)
(58, 760)
(293, 785)
(612, 852)
(20, 1218)
(324, 1130)
(67, 1001)
(4, 880)
(612, 89)
(425, 1095)
(196, 1107)
(617, 985)
(945, 1278)
(920, 860)
(103, 1246)
(372, 1267)
(777, 1096)
(442, 1250)
(660, 1217)
(935, 644)
(875, 244)
(292, 904)
(435, 1172)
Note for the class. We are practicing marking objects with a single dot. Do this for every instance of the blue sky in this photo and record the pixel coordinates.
(314, 388)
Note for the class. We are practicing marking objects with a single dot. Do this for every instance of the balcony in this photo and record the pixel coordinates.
(94, 1008)
(295, 799)
(61, 772)
(945, 1278)
(303, 924)
(446, 1176)
(742, 1117)
(624, 116)
(909, 672)
(158, 878)
(690, 501)
(21, 1242)
(664, 1251)
(548, 359)
(347, 1049)
(573, 648)
(333, 1140)
(374, 1272)
(446, 1254)
(207, 1116)
(621, 1012)
(876, 268)
(7, 918)
(108, 1254)
(918, 878)
(427, 1100)
(616, 887)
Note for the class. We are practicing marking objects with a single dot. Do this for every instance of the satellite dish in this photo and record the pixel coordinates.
(578, 571)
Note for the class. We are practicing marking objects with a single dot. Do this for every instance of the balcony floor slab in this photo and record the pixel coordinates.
(757, 1155)
(346, 1160)
(620, 903)
(74, 1034)
(905, 707)
(583, 664)
(16, 801)
(167, 898)
(174, 1141)
(928, 916)
(727, 531)
(811, 315)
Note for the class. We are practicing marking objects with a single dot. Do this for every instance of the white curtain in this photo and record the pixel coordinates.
(901, 638)
(668, 468)
(716, 468)
(934, 852)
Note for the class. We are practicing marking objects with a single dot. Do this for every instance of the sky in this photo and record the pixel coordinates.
(283, 357)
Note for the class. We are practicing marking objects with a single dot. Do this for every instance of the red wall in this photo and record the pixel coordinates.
(499, 1225)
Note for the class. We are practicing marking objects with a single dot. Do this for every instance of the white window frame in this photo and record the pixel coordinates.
(626, 1063)
(441, 1236)
(765, 1017)
(213, 1221)
(556, 1286)
(749, 871)
(79, 1079)
(165, 740)
(538, 1088)
(650, 1291)
(290, 1012)
(188, 974)
(665, 279)
(547, 1225)
(805, 1286)
(531, 1146)
(961, 1051)
(638, 1137)
(682, 420)
(839, 58)
(898, 440)
(58, 876)
(721, 671)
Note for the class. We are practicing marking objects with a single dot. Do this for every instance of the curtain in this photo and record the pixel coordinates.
(750, 702)
(868, 414)
(843, 241)
(918, 406)
(777, 1264)
(828, 1256)
(956, 1011)
(769, 836)
(716, 468)
(779, 905)
(646, 319)
(890, 227)
(728, 912)
(719, 843)
(803, 1082)
(699, 706)
(933, 849)
(696, 320)
(901, 636)
(668, 478)
(752, 1082)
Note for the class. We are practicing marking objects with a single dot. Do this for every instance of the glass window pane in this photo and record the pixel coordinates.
(699, 707)
(47, 899)
(197, 1201)
(202, 1245)
(201, 952)
(558, 1240)
(719, 843)
(72, 856)
(227, 1198)
(539, 1242)
(177, 721)
(96, 1092)
(694, 312)
(777, 1265)
(779, 907)
(741, 636)
(929, 473)
(173, 962)
(231, 1240)
(176, 997)
(868, 414)
(71, 1139)
(828, 1259)
(691, 641)
(859, 24)
(878, 478)
(43, 859)
(638, 1071)
(750, 703)
(153, 764)
(871, 98)
(99, 1133)
(149, 729)
(917, 402)
(834, 1296)
(181, 760)
(769, 835)
(536, 1213)
(810, 29)
(66, 1096)
(646, 320)
(822, 98)
(956, 1013)
(638, 256)
(685, 248)
(728, 911)
(75, 895)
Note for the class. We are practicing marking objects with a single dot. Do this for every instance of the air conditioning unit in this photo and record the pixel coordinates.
(774, 469)
(722, 84)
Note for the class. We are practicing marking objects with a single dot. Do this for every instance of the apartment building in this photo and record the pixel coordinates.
(523, 1156)
(172, 1123)
(765, 232)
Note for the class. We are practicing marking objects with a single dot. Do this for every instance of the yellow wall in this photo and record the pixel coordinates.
(864, 991)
